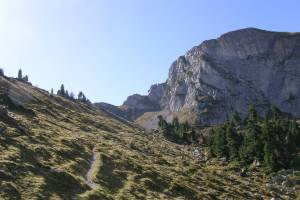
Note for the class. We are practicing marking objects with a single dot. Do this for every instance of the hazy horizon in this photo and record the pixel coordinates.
(110, 49)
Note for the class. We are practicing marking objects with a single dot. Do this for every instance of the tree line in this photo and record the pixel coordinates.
(176, 131)
(272, 140)
(61, 92)
(71, 96)
(20, 76)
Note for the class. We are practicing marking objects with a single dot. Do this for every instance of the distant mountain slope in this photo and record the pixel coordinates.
(136, 105)
(54, 148)
(223, 75)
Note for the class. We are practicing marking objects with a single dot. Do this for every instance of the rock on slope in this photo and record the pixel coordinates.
(223, 75)
(53, 148)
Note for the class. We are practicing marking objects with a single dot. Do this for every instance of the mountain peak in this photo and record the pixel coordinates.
(223, 75)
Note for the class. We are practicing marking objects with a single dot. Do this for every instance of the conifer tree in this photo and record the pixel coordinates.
(84, 99)
(269, 158)
(67, 94)
(162, 124)
(252, 148)
(266, 130)
(25, 78)
(269, 143)
(80, 95)
(220, 143)
(176, 127)
(233, 141)
(20, 74)
(275, 113)
(211, 141)
(252, 115)
(295, 132)
(62, 90)
(236, 119)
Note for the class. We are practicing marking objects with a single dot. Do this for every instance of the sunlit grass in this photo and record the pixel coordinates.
(52, 158)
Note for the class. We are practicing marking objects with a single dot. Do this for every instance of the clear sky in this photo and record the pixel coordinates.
(114, 48)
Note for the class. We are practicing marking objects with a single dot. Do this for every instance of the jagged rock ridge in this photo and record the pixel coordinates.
(223, 75)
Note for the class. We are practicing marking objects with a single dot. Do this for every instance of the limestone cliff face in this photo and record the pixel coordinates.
(223, 75)
(243, 67)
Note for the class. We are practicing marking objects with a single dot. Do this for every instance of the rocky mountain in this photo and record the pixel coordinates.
(223, 75)
(136, 105)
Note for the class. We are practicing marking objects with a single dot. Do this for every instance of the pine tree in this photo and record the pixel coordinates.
(269, 158)
(162, 124)
(252, 116)
(176, 127)
(51, 92)
(67, 94)
(62, 90)
(164, 127)
(1, 72)
(211, 142)
(181, 133)
(233, 141)
(84, 99)
(220, 143)
(25, 78)
(80, 95)
(20, 74)
(275, 113)
(295, 132)
(236, 119)
(266, 130)
(252, 147)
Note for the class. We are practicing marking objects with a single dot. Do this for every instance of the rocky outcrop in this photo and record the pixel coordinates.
(223, 75)
(136, 105)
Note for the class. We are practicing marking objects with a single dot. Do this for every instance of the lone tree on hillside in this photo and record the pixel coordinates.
(20, 74)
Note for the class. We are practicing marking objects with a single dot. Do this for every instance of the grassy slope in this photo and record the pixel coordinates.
(48, 152)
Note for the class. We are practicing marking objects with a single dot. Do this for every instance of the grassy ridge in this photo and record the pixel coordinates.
(47, 145)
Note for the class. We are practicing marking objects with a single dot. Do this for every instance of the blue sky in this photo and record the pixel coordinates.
(114, 48)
